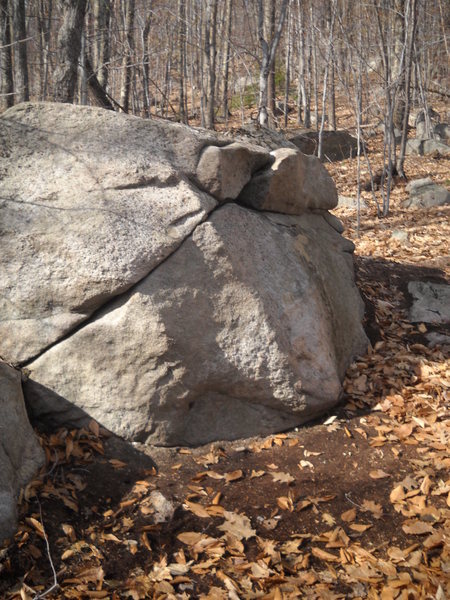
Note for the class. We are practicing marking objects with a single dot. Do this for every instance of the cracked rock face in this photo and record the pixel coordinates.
(20, 452)
(133, 297)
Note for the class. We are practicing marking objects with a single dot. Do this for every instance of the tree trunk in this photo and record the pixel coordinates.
(6, 74)
(127, 60)
(226, 58)
(268, 52)
(68, 49)
(269, 32)
(182, 60)
(19, 29)
(45, 21)
(209, 48)
(102, 46)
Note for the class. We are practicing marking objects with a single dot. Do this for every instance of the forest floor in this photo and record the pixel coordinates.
(355, 505)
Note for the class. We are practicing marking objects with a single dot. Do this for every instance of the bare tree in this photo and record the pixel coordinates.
(268, 51)
(68, 49)
(127, 67)
(6, 75)
(21, 87)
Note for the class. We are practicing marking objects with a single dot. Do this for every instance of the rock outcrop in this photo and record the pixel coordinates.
(134, 295)
(20, 453)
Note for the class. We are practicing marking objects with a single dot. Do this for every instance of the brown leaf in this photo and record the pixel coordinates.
(373, 507)
(360, 527)
(417, 528)
(349, 515)
(323, 555)
(233, 476)
(285, 503)
(197, 509)
(282, 477)
(238, 525)
(378, 474)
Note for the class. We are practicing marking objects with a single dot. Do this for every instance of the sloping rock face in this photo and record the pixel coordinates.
(20, 453)
(135, 296)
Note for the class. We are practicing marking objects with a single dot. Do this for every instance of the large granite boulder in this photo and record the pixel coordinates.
(134, 296)
(20, 453)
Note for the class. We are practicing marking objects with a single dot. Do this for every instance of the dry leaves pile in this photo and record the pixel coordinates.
(357, 506)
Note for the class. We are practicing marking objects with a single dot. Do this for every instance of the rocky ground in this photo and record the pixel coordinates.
(356, 505)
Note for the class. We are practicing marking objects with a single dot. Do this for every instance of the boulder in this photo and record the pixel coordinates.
(224, 171)
(431, 302)
(270, 139)
(246, 329)
(107, 197)
(134, 296)
(424, 193)
(20, 453)
(424, 147)
(291, 185)
(350, 202)
(337, 145)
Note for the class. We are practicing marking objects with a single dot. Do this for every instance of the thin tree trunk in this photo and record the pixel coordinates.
(325, 79)
(21, 85)
(68, 49)
(102, 46)
(411, 24)
(45, 21)
(146, 61)
(268, 57)
(182, 60)
(226, 58)
(6, 74)
(127, 60)
(269, 32)
(287, 84)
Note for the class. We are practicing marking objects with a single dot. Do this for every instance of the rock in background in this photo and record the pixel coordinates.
(20, 453)
(135, 297)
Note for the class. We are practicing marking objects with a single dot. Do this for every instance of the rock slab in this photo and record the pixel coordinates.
(20, 453)
(247, 329)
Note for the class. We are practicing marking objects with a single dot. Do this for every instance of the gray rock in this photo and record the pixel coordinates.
(431, 302)
(20, 453)
(91, 202)
(246, 329)
(337, 145)
(439, 339)
(436, 147)
(424, 193)
(224, 171)
(349, 202)
(291, 185)
(270, 139)
(400, 235)
(424, 147)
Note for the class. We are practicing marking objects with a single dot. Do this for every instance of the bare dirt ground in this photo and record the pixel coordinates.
(356, 505)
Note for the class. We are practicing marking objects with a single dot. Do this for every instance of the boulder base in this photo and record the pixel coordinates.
(20, 453)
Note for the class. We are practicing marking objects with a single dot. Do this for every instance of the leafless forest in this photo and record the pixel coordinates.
(220, 64)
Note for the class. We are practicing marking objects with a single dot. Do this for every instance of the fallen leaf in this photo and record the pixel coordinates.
(323, 555)
(360, 527)
(282, 477)
(349, 515)
(238, 525)
(233, 476)
(378, 474)
(197, 509)
(417, 528)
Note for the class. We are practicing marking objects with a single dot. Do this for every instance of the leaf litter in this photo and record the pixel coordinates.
(354, 506)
